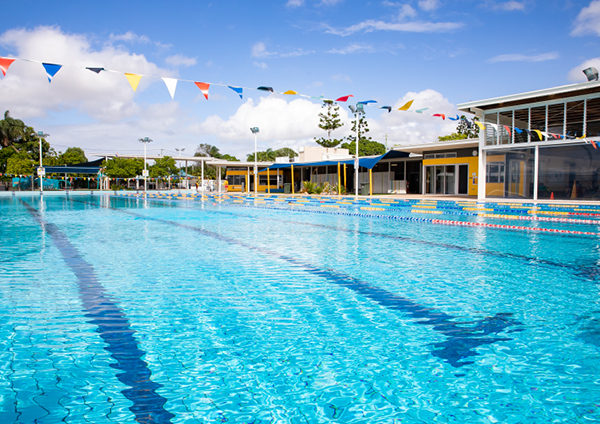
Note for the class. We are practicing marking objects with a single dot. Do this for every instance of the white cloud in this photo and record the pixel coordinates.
(105, 101)
(524, 58)
(261, 65)
(416, 26)
(295, 3)
(429, 5)
(354, 48)
(588, 20)
(576, 74)
(330, 2)
(509, 6)
(260, 50)
(180, 60)
(407, 128)
(130, 37)
(406, 11)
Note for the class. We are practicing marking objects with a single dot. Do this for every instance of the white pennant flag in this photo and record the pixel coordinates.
(171, 84)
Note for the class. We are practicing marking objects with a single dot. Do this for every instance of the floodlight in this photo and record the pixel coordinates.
(254, 130)
(591, 73)
(352, 108)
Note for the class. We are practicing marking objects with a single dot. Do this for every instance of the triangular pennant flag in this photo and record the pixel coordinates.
(594, 144)
(480, 125)
(51, 70)
(134, 80)
(171, 84)
(291, 92)
(494, 126)
(539, 134)
(344, 98)
(263, 88)
(454, 119)
(96, 70)
(421, 110)
(204, 88)
(441, 115)
(238, 90)
(388, 108)
(407, 106)
(518, 130)
(507, 128)
(364, 102)
(5, 63)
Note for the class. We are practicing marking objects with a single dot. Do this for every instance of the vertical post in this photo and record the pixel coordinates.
(293, 179)
(268, 182)
(255, 165)
(339, 179)
(145, 171)
(370, 182)
(536, 169)
(345, 175)
(356, 163)
(202, 175)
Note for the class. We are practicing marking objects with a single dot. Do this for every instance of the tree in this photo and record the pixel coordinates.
(270, 155)
(329, 121)
(163, 167)
(208, 150)
(465, 129)
(366, 146)
(123, 168)
(20, 164)
(72, 156)
(11, 130)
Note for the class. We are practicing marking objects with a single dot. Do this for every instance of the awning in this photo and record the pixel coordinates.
(368, 162)
(92, 167)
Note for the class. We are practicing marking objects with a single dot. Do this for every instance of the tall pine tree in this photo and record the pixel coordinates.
(329, 121)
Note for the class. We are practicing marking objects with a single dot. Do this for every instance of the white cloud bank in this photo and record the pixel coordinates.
(576, 74)
(524, 58)
(588, 20)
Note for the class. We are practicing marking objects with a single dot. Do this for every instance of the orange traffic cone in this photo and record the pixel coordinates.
(552, 196)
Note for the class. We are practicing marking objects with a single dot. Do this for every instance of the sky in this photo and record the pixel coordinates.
(439, 53)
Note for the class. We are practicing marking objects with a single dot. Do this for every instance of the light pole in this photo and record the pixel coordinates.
(145, 140)
(180, 179)
(357, 111)
(255, 131)
(40, 135)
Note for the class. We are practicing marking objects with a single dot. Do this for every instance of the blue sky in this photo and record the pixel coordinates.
(437, 52)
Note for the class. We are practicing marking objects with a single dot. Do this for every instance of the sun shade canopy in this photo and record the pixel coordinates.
(368, 162)
(92, 167)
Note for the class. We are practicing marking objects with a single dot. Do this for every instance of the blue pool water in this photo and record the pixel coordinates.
(129, 310)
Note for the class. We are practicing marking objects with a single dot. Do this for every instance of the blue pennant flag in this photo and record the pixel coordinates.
(51, 70)
(238, 90)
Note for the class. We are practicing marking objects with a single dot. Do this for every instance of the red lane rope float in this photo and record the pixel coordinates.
(541, 218)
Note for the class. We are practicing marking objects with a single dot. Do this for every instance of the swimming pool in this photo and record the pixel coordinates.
(123, 310)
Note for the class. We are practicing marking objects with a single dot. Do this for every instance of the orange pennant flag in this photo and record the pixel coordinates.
(4, 64)
(204, 88)
(134, 80)
(441, 115)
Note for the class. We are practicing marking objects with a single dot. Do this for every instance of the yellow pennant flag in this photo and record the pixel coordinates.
(539, 133)
(407, 105)
(480, 125)
(291, 92)
(134, 80)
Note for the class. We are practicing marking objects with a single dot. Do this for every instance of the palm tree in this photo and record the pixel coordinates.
(11, 130)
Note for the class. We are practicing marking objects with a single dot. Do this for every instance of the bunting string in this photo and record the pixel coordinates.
(134, 79)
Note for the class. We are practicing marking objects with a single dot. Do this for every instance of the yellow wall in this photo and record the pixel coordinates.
(495, 189)
(473, 163)
(261, 188)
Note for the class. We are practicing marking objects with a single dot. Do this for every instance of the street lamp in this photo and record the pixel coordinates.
(145, 140)
(255, 131)
(40, 135)
(180, 182)
(357, 111)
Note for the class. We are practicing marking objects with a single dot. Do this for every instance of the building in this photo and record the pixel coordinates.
(540, 144)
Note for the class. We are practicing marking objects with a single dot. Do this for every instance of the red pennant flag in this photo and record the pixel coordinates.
(440, 114)
(507, 128)
(594, 144)
(204, 88)
(5, 63)
(344, 98)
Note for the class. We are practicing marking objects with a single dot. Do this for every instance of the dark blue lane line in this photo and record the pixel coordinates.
(580, 270)
(115, 330)
(462, 337)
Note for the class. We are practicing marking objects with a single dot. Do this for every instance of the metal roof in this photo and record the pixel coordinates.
(565, 91)
(440, 146)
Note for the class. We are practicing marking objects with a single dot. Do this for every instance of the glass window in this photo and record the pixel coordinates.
(490, 132)
(538, 122)
(556, 118)
(575, 119)
(521, 124)
(593, 117)
(397, 170)
(495, 172)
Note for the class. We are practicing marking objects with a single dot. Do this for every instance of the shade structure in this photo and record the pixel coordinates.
(92, 167)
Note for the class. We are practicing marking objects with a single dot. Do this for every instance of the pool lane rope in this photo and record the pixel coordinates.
(439, 221)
